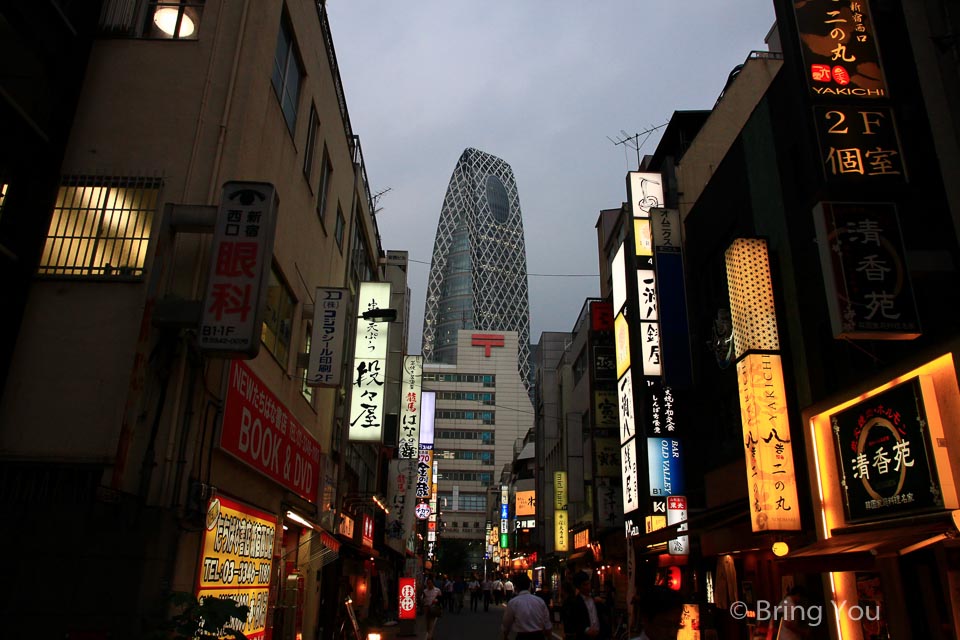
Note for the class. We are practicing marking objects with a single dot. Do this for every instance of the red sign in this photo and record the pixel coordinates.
(408, 599)
(261, 432)
(367, 533)
(601, 316)
(486, 340)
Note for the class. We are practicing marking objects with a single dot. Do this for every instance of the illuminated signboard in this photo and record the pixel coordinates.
(330, 311)
(410, 389)
(428, 405)
(237, 558)
(619, 274)
(581, 539)
(560, 490)
(262, 433)
(768, 447)
(424, 472)
(645, 191)
(869, 293)
(240, 268)
(369, 371)
(677, 514)
(671, 298)
(664, 467)
(526, 503)
(859, 145)
(839, 49)
(661, 410)
(621, 336)
(561, 530)
(407, 598)
(601, 316)
(628, 466)
(625, 408)
(886, 455)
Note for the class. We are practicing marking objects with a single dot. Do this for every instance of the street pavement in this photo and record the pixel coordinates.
(466, 625)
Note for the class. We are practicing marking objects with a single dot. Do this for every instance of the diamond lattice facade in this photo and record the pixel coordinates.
(478, 273)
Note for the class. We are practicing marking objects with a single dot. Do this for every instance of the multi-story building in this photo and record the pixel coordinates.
(478, 272)
(483, 413)
(121, 433)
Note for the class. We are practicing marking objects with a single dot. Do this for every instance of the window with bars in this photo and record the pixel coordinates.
(100, 227)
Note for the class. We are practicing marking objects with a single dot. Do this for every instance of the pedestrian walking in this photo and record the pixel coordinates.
(526, 615)
(475, 593)
(432, 603)
(497, 591)
(487, 588)
(508, 589)
(580, 616)
(660, 611)
(448, 594)
(459, 590)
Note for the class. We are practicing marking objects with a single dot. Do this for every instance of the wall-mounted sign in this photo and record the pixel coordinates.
(677, 514)
(262, 433)
(839, 49)
(424, 472)
(407, 598)
(423, 511)
(886, 456)
(560, 490)
(609, 501)
(240, 263)
(621, 336)
(605, 415)
(346, 526)
(869, 292)
(601, 316)
(644, 191)
(330, 311)
(859, 145)
(606, 457)
(487, 341)
(526, 503)
(628, 467)
(665, 467)
(236, 560)
(410, 390)
(768, 447)
(401, 500)
(581, 539)
(369, 364)
(605, 362)
(366, 533)
(625, 408)
(662, 409)
(671, 298)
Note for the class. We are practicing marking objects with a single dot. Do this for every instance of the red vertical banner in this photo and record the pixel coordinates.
(407, 597)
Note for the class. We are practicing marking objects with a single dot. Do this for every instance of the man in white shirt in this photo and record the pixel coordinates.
(508, 589)
(526, 614)
(474, 587)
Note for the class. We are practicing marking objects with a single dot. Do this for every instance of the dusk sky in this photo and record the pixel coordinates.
(544, 86)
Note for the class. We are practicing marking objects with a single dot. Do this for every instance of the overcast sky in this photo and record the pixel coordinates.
(542, 85)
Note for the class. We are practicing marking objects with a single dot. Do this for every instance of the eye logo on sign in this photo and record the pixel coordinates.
(486, 340)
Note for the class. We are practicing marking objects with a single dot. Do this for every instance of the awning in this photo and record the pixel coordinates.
(858, 551)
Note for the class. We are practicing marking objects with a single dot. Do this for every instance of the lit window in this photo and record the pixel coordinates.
(287, 73)
(278, 318)
(100, 227)
(173, 20)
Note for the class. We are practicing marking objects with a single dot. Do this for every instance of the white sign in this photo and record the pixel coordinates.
(326, 340)
(369, 371)
(423, 511)
(428, 405)
(628, 427)
(240, 262)
(410, 390)
(628, 470)
(645, 191)
(618, 271)
(677, 513)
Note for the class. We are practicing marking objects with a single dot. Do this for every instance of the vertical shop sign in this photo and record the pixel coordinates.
(330, 310)
(671, 298)
(559, 490)
(677, 514)
(410, 407)
(240, 264)
(869, 292)
(369, 364)
(859, 145)
(407, 598)
(236, 560)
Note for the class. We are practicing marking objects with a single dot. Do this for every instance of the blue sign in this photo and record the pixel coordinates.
(665, 467)
(504, 511)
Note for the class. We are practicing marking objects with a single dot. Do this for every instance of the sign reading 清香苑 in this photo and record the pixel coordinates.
(883, 447)
(369, 364)
(330, 313)
(237, 558)
(410, 389)
(240, 265)
(839, 49)
(261, 432)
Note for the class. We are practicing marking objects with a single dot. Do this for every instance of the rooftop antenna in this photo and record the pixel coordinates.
(633, 141)
(375, 199)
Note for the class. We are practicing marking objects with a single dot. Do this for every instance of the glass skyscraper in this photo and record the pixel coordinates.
(478, 273)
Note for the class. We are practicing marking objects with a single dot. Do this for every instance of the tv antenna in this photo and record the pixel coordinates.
(633, 141)
(375, 199)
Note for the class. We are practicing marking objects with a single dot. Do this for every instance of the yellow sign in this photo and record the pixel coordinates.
(561, 527)
(771, 482)
(559, 490)
(643, 238)
(526, 502)
(237, 560)
(621, 337)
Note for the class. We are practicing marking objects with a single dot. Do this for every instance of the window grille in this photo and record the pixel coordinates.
(100, 227)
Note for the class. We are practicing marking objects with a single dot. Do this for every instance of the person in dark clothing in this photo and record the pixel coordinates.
(580, 616)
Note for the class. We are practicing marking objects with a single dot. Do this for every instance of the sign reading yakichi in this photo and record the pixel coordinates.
(885, 455)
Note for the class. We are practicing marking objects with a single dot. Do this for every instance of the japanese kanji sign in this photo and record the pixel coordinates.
(768, 447)
(868, 285)
(677, 514)
(330, 310)
(369, 364)
(410, 389)
(240, 261)
(885, 455)
(859, 145)
(525, 503)
(839, 49)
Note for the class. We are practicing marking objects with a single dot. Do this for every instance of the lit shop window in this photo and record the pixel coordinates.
(100, 228)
